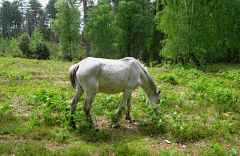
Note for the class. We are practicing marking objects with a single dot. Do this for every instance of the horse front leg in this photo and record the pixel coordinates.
(128, 109)
(126, 95)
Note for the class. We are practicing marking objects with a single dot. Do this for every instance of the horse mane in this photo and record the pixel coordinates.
(144, 68)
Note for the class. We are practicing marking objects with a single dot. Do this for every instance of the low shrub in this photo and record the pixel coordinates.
(42, 51)
(24, 45)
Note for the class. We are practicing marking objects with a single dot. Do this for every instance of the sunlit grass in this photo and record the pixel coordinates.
(199, 113)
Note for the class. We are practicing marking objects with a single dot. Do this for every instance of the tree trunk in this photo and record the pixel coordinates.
(194, 59)
(35, 16)
(70, 47)
(9, 35)
(3, 32)
(190, 23)
(88, 46)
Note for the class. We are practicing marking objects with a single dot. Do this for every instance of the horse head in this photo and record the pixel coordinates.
(156, 98)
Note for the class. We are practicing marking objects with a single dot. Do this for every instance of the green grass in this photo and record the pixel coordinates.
(199, 113)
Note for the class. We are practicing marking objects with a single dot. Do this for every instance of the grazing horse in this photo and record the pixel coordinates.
(93, 75)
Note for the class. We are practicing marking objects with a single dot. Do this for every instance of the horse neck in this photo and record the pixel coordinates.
(146, 81)
(148, 85)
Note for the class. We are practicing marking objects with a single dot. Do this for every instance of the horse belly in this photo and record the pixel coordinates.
(116, 83)
(111, 86)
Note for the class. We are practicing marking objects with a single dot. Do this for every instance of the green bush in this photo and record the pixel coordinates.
(14, 48)
(225, 100)
(24, 45)
(170, 78)
(67, 58)
(42, 51)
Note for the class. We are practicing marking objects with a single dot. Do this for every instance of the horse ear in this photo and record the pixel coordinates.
(158, 92)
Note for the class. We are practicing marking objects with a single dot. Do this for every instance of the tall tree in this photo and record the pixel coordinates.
(33, 15)
(16, 17)
(6, 18)
(51, 12)
(102, 30)
(36, 9)
(22, 6)
(85, 18)
(67, 25)
(156, 36)
(51, 9)
(133, 19)
(43, 25)
(29, 21)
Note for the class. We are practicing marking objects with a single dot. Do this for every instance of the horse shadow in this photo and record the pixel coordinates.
(127, 130)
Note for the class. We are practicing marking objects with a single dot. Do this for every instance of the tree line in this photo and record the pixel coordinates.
(186, 31)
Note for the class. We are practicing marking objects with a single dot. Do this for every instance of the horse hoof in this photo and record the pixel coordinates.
(115, 125)
(73, 125)
(131, 120)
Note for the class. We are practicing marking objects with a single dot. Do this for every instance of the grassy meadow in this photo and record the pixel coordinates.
(199, 113)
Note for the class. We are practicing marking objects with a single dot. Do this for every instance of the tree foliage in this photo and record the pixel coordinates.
(42, 51)
(14, 47)
(188, 31)
(67, 25)
(200, 29)
(101, 29)
(24, 45)
(153, 44)
(51, 12)
(133, 19)
(33, 15)
(6, 18)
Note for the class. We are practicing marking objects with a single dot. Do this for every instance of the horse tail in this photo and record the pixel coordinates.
(72, 74)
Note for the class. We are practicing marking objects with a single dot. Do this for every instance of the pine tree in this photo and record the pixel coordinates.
(51, 12)
(6, 18)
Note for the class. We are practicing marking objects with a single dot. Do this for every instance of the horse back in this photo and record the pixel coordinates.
(109, 76)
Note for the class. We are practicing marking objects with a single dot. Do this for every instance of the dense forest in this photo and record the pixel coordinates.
(186, 31)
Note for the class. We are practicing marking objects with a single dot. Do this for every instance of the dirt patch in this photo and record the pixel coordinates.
(2, 96)
(158, 69)
(55, 147)
(233, 68)
(61, 82)
(180, 90)
(53, 77)
(135, 94)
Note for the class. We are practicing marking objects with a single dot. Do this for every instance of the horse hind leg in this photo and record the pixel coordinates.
(77, 96)
(87, 108)
(73, 104)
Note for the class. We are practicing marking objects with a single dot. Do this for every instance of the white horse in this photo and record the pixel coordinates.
(93, 75)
